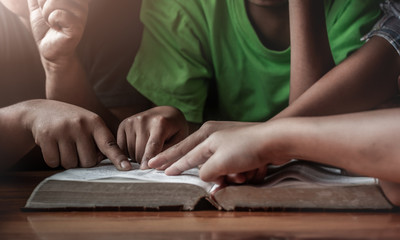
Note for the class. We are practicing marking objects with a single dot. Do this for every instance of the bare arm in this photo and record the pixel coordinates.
(311, 55)
(364, 80)
(365, 143)
(58, 27)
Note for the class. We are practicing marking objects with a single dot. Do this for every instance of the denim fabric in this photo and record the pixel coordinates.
(388, 26)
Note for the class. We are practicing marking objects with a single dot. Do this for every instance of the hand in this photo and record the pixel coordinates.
(146, 134)
(168, 157)
(71, 136)
(58, 26)
(233, 151)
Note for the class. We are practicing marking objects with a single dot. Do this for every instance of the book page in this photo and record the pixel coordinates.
(298, 173)
(106, 170)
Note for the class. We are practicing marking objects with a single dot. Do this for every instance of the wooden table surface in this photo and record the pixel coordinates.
(15, 188)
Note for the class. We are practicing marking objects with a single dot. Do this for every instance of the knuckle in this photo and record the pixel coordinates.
(76, 121)
(41, 134)
(94, 118)
(132, 121)
(96, 121)
(207, 128)
(109, 144)
(159, 120)
(138, 118)
(154, 144)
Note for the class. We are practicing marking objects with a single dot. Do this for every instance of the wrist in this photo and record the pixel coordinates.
(18, 117)
(25, 113)
(60, 65)
(277, 140)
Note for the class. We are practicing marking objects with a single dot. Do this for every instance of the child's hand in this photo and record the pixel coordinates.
(148, 133)
(232, 151)
(71, 136)
(58, 26)
(173, 154)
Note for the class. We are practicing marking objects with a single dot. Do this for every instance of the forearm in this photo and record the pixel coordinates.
(364, 143)
(66, 81)
(363, 81)
(15, 139)
(311, 55)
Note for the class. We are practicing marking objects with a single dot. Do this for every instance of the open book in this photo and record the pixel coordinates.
(296, 185)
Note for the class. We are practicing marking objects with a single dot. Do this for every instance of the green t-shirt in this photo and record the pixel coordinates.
(205, 58)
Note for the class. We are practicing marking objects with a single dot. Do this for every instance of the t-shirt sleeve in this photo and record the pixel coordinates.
(347, 22)
(173, 66)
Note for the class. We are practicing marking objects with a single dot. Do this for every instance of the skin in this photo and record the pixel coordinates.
(311, 56)
(366, 138)
(272, 36)
(144, 135)
(362, 143)
(69, 136)
(57, 38)
(57, 28)
(66, 77)
(318, 86)
(348, 87)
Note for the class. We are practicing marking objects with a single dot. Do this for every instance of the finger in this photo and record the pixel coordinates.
(108, 146)
(141, 141)
(51, 154)
(68, 154)
(237, 178)
(127, 139)
(33, 5)
(41, 3)
(76, 9)
(100, 156)
(213, 169)
(39, 27)
(131, 141)
(197, 156)
(154, 146)
(61, 19)
(88, 156)
(121, 139)
(177, 151)
(174, 138)
(221, 181)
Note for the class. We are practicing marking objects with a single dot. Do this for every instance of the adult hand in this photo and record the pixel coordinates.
(233, 151)
(71, 136)
(148, 133)
(171, 155)
(58, 26)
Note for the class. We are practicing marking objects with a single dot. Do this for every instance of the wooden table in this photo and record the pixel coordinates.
(15, 188)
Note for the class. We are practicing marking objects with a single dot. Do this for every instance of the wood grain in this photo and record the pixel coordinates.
(15, 188)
